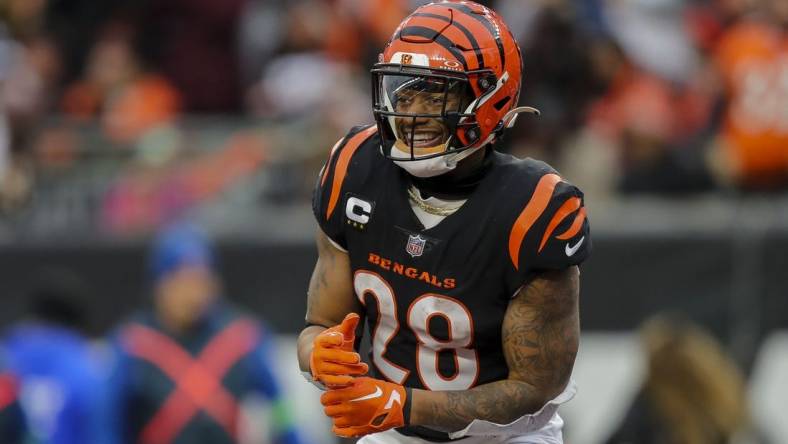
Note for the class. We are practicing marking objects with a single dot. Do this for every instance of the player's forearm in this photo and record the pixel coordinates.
(330, 296)
(500, 402)
(540, 334)
(306, 341)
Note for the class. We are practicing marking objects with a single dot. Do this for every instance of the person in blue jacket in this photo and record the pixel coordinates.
(11, 417)
(184, 367)
(58, 379)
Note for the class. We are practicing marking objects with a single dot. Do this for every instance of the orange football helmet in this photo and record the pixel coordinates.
(452, 62)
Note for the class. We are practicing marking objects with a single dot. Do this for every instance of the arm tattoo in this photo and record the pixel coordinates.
(541, 331)
(540, 336)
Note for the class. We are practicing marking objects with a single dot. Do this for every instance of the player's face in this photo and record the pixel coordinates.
(423, 134)
(421, 106)
(184, 295)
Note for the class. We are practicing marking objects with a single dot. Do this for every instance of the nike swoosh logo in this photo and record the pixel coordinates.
(572, 250)
(376, 394)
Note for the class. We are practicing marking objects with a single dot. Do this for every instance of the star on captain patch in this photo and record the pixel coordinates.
(415, 246)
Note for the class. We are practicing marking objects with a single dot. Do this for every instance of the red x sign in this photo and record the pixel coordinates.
(198, 381)
(7, 390)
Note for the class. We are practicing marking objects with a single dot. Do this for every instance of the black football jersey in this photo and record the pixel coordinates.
(435, 298)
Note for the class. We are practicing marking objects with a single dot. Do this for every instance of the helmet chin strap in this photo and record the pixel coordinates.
(458, 183)
(449, 184)
(431, 166)
(455, 158)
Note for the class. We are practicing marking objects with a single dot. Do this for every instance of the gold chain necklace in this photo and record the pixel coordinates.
(435, 211)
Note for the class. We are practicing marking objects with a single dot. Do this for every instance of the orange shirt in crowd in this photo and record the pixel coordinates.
(753, 60)
(145, 104)
(128, 112)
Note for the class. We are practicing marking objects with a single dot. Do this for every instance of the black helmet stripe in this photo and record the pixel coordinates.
(427, 33)
(464, 30)
(494, 31)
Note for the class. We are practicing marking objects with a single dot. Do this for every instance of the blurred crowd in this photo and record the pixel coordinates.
(637, 96)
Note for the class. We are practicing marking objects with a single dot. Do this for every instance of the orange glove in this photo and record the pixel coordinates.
(368, 406)
(334, 361)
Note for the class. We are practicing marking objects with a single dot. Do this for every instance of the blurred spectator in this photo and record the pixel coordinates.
(558, 79)
(622, 106)
(288, 90)
(650, 124)
(653, 36)
(32, 72)
(58, 376)
(752, 59)
(324, 37)
(195, 44)
(288, 87)
(11, 417)
(6, 59)
(261, 31)
(27, 75)
(76, 25)
(184, 367)
(5, 148)
(30, 65)
(128, 99)
(693, 392)
(656, 105)
(24, 17)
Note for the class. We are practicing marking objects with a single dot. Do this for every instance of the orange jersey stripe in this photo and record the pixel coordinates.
(571, 205)
(342, 164)
(576, 225)
(534, 209)
(328, 162)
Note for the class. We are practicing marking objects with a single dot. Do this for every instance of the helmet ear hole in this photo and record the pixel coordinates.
(501, 103)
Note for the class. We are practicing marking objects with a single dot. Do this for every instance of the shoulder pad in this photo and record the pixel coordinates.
(332, 180)
(551, 230)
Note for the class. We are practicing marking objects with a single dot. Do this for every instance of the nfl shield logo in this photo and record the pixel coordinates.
(415, 245)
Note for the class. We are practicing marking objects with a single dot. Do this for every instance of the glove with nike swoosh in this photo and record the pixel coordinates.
(367, 406)
(334, 361)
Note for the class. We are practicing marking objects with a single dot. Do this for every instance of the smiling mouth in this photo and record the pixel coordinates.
(423, 138)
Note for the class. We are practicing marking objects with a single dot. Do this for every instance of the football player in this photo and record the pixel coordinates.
(461, 260)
